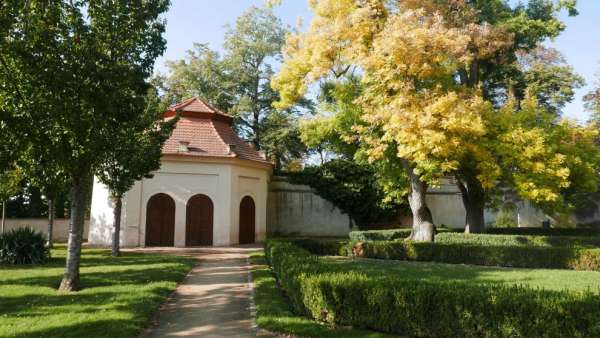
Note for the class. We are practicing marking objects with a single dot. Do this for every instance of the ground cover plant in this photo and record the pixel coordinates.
(382, 296)
(119, 297)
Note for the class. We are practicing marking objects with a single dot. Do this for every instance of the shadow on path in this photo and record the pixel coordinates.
(214, 300)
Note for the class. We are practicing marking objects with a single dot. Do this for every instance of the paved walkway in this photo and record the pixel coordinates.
(214, 300)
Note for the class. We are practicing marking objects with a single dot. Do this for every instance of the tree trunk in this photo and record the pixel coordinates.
(3, 215)
(423, 228)
(70, 281)
(473, 197)
(117, 226)
(50, 221)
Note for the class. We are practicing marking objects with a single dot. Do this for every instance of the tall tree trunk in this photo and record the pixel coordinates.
(117, 226)
(70, 281)
(3, 215)
(50, 221)
(473, 197)
(423, 228)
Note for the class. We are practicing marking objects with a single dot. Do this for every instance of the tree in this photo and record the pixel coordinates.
(592, 103)
(239, 82)
(10, 183)
(137, 153)
(77, 69)
(434, 108)
(401, 80)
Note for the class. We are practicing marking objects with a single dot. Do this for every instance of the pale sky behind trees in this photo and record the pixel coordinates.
(204, 21)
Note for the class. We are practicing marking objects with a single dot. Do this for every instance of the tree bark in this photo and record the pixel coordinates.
(473, 197)
(50, 222)
(3, 215)
(70, 281)
(423, 228)
(117, 227)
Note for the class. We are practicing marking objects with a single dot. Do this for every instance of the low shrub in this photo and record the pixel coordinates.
(23, 246)
(490, 255)
(544, 231)
(427, 309)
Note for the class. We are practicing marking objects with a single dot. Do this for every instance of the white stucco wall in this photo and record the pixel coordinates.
(224, 183)
(297, 210)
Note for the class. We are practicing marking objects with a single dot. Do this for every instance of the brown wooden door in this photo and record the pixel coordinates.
(247, 220)
(160, 220)
(199, 221)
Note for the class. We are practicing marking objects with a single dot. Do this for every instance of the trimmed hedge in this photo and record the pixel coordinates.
(490, 255)
(544, 231)
(450, 236)
(427, 309)
(389, 234)
(518, 240)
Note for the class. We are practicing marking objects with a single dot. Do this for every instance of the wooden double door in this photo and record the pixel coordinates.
(199, 221)
(160, 220)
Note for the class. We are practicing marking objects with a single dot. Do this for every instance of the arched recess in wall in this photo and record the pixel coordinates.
(160, 220)
(247, 221)
(199, 221)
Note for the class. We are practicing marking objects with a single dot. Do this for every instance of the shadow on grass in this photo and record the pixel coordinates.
(119, 295)
(93, 328)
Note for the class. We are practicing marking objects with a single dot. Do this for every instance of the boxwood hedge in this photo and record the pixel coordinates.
(427, 309)
(545, 231)
(480, 254)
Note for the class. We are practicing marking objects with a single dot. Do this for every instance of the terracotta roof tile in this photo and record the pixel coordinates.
(207, 134)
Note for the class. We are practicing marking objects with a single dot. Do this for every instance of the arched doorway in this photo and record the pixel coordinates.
(199, 221)
(247, 220)
(160, 220)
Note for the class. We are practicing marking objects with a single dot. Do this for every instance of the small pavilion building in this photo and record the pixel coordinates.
(211, 189)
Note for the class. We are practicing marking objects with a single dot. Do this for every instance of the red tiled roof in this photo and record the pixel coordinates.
(196, 107)
(208, 132)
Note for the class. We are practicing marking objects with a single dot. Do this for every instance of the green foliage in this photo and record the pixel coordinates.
(519, 240)
(350, 186)
(390, 234)
(238, 82)
(23, 246)
(273, 312)
(525, 231)
(137, 147)
(559, 257)
(394, 304)
(10, 183)
(379, 235)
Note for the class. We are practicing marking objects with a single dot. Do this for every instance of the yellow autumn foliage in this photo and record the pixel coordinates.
(408, 55)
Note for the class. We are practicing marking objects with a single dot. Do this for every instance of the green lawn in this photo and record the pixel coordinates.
(119, 295)
(273, 313)
(549, 279)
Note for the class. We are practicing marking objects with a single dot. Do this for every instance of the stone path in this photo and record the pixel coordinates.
(214, 300)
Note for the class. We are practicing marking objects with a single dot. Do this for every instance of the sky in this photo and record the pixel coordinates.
(204, 21)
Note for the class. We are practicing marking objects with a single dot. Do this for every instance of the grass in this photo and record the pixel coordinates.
(549, 279)
(119, 295)
(273, 313)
